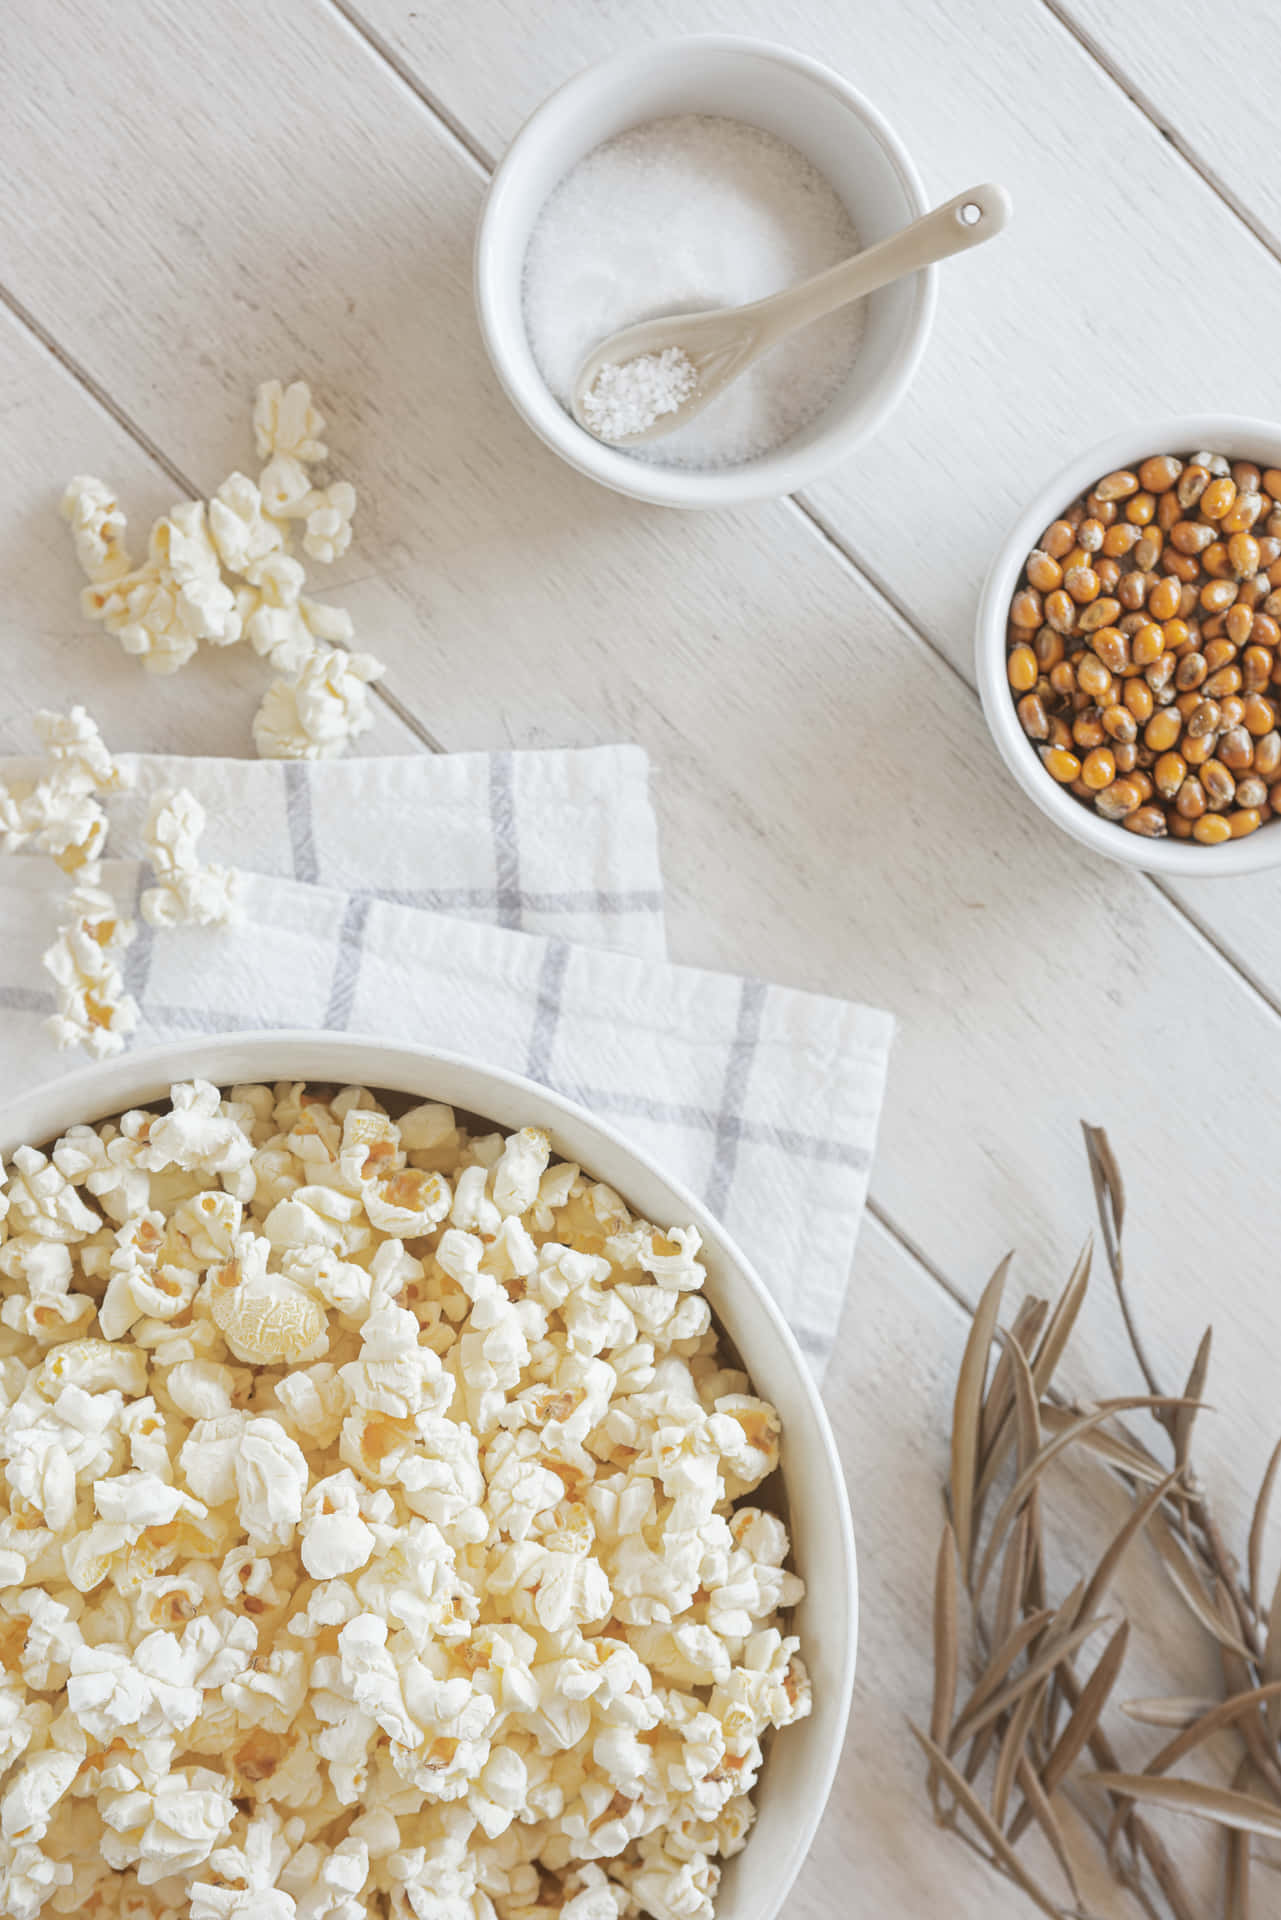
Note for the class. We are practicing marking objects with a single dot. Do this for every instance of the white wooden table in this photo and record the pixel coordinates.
(200, 197)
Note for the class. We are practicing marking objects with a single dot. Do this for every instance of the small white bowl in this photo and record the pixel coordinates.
(801, 1762)
(1239, 439)
(789, 95)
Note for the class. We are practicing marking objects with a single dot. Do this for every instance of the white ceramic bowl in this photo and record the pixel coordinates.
(800, 1766)
(787, 94)
(1239, 439)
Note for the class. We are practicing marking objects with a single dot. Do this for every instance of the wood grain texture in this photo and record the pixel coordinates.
(517, 603)
(283, 200)
(1038, 347)
(1010, 387)
(52, 657)
(1216, 111)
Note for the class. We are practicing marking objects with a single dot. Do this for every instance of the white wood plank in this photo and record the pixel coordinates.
(516, 603)
(1010, 387)
(53, 657)
(1044, 342)
(1212, 92)
(805, 838)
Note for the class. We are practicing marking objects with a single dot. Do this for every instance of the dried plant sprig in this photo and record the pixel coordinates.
(1010, 1426)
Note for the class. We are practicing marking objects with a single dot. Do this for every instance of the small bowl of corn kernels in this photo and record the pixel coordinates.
(1129, 647)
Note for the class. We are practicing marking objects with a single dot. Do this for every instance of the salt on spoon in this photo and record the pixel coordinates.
(653, 377)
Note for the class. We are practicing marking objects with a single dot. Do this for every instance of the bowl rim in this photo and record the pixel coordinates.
(109, 1086)
(1240, 436)
(774, 474)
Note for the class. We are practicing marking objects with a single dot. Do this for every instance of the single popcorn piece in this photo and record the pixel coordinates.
(98, 528)
(241, 530)
(77, 750)
(286, 489)
(94, 1010)
(329, 513)
(145, 611)
(286, 422)
(182, 552)
(187, 892)
(56, 815)
(315, 716)
(370, 1543)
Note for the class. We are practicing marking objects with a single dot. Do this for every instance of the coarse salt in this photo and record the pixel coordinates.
(677, 216)
(629, 396)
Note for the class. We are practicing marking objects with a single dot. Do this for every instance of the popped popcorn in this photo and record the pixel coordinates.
(98, 526)
(218, 572)
(376, 1540)
(285, 422)
(187, 892)
(316, 715)
(329, 512)
(84, 963)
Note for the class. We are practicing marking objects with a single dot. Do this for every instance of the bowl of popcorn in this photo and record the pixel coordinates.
(1129, 647)
(415, 1505)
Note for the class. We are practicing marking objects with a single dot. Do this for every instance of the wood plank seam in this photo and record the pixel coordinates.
(876, 585)
(477, 157)
(142, 439)
(910, 1251)
(1142, 103)
(850, 558)
(459, 135)
(97, 393)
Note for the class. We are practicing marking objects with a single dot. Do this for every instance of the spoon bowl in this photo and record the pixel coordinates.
(721, 343)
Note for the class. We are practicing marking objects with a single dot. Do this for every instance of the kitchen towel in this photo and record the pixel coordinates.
(506, 906)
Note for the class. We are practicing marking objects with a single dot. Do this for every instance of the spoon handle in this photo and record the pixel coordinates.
(967, 221)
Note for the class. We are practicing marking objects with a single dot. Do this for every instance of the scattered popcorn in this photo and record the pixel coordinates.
(77, 749)
(285, 422)
(286, 488)
(182, 550)
(241, 530)
(187, 892)
(97, 525)
(58, 812)
(328, 534)
(315, 716)
(375, 1539)
(162, 610)
(94, 1010)
(283, 625)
